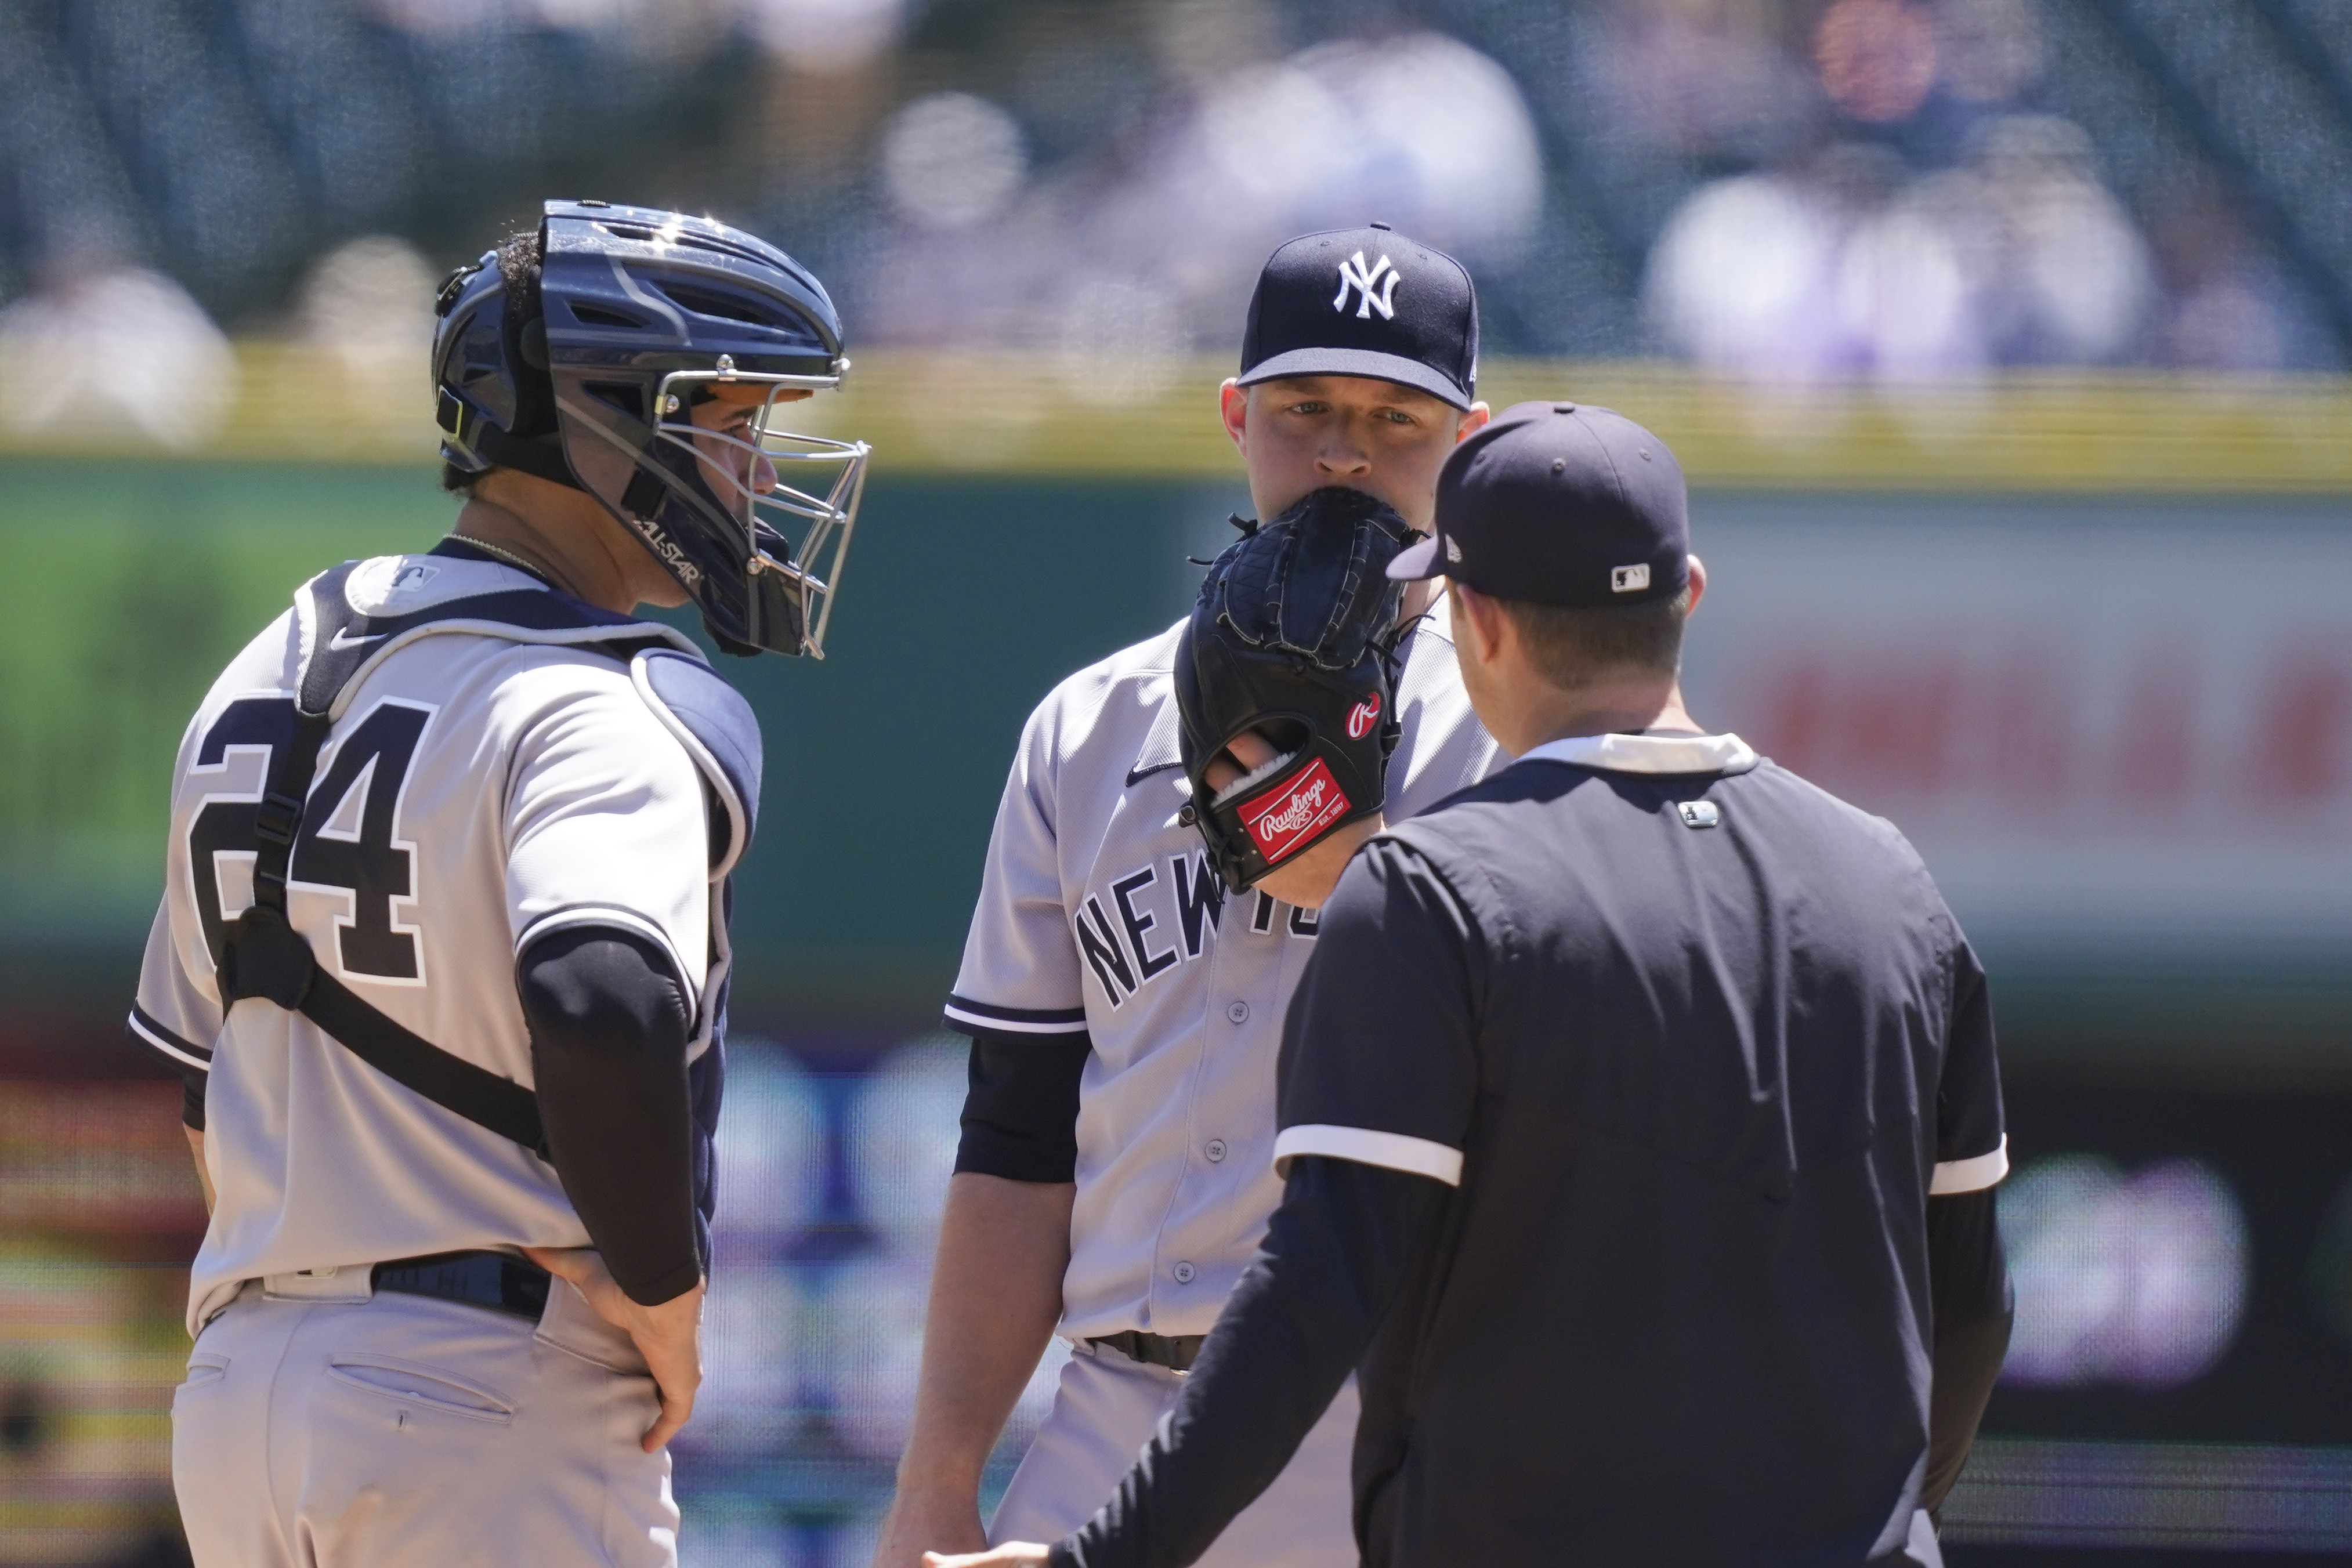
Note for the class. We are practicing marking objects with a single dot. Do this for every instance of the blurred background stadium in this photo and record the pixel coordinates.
(2004, 342)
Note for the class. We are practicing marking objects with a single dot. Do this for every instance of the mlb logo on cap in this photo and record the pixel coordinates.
(1555, 503)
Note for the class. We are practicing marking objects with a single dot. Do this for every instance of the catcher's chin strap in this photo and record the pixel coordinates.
(263, 956)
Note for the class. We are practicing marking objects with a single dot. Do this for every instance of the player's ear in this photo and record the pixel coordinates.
(1232, 407)
(1476, 416)
(1697, 584)
(1477, 623)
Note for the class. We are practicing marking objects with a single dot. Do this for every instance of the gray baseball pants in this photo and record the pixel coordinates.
(322, 1425)
(1104, 1412)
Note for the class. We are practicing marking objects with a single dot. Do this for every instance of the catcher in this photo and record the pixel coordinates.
(1175, 816)
(443, 947)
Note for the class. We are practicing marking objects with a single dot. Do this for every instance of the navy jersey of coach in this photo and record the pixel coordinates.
(1742, 1037)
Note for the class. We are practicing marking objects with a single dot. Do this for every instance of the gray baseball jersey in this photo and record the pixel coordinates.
(1100, 914)
(483, 785)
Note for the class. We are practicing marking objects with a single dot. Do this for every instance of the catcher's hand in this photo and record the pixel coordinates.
(1291, 639)
(670, 1336)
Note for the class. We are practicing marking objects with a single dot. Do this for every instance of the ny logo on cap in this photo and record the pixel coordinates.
(1353, 276)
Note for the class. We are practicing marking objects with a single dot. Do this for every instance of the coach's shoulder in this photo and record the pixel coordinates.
(1836, 820)
(1468, 828)
(1800, 793)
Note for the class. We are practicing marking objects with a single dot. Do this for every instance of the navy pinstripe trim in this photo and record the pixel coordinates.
(964, 1014)
(143, 1029)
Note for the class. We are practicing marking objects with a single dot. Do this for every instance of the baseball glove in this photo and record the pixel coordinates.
(1294, 636)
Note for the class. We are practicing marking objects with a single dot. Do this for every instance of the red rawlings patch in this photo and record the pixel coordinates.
(1361, 717)
(1285, 819)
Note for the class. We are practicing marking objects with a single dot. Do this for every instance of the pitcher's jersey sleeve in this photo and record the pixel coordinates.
(1020, 971)
(1379, 1056)
(606, 819)
(1971, 1143)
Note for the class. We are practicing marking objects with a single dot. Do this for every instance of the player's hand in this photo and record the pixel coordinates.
(670, 1336)
(928, 1519)
(1306, 879)
(1012, 1555)
(1248, 751)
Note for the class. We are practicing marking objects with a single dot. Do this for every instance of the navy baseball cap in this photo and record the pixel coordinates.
(1559, 503)
(1365, 302)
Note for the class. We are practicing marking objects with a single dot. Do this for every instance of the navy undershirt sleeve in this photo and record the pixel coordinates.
(141, 1031)
(1967, 1276)
(1335, 1256)
(609, 1027)
(1020, 1113)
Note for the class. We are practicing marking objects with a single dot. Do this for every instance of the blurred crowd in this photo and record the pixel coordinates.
(1785, 190)
(1914, 211)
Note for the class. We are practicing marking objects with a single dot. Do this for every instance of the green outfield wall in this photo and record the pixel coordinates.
(964, 599)
(2118, 726)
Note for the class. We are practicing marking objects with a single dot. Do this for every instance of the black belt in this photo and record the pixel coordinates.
(1177, 1353)
(491, 1280)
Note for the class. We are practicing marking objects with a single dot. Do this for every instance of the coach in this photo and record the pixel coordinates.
(1639, 1111)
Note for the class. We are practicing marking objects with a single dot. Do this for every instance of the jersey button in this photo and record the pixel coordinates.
(1237, 1013)
(1216, 1150)
(1183, 1272)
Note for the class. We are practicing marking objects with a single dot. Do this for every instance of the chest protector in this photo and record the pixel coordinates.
(263, 956)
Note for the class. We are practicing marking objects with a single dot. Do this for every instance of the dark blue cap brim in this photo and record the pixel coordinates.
(1359, 362)
(1417, 562)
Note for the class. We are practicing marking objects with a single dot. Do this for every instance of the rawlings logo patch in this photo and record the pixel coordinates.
(1362, 717)
(1285, 820)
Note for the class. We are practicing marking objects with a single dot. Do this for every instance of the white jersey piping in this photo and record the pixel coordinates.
(1974, 1173)
(1649, 753)
(1390, 1151)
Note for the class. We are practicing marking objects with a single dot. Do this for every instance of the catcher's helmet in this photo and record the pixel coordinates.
(591, 381)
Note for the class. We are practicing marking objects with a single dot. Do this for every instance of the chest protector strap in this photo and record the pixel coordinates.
(265, 957)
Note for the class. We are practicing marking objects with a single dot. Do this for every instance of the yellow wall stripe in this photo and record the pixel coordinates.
(1032, 412)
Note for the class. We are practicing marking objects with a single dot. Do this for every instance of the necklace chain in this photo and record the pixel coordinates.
(508, 556)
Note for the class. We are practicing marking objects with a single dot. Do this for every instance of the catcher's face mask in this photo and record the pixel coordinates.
(644, 316)
(754, 519)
